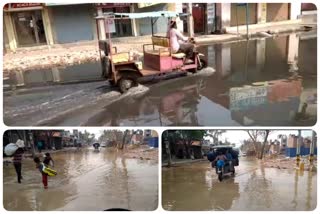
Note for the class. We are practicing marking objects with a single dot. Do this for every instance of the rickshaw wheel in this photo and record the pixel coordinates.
(112, 83)
(125, 84)
(202, 64)
(220, 176)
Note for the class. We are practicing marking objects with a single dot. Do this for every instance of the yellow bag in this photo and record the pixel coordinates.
(49, 171)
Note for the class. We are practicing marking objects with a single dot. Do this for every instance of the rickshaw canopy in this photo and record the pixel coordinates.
(157, 14)
(222, 147)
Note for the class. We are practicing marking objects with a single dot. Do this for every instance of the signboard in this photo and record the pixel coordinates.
(112, 5)
(58, 4)
(21, 6)
(210, 13)
(244, 98)
(248, 103)
(250, 92)
(24, 5)
(110, 26)
(141, 5)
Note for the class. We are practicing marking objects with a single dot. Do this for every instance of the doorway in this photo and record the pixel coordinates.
(123, 26)
(29, 28)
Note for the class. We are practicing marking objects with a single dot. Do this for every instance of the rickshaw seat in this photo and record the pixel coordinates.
(160, 41)
(164, 42)
(179, 55)
(120, 57)
(159, 52)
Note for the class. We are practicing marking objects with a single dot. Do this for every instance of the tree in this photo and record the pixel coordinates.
(114, 136)
(127, 137)
(87, 137)
(259, 147)
(186, 136)
(215, 134)
(264, 143)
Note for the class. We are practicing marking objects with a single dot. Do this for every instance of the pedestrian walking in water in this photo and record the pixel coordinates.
(17, 162)
(40, 166)
(48, 161)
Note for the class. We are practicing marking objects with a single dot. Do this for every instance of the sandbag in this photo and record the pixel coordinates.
(20, 143)
(211, 156)
(10, 149)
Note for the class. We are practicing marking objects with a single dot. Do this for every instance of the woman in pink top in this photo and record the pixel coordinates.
(179, 43)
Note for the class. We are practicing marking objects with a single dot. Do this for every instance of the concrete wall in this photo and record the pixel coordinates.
(241, 14)
(5, 37)
(277, 12)
(72, 23)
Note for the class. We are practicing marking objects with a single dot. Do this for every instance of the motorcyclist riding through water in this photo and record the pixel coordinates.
(220, 160)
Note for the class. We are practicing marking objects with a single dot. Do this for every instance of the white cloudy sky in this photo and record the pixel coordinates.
(236, 136)
(95, 131)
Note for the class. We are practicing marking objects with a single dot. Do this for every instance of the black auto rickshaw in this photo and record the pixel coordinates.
(226, 166)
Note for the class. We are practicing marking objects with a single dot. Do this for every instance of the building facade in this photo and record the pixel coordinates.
(35, 24)
(228, 15)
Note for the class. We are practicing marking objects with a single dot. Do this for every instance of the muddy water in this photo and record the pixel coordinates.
(86, 180)
(58, 75)
(196, 188)
(264, 82)
(260, 82)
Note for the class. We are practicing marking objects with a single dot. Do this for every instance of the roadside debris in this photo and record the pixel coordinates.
(142, 152)
(281, 162)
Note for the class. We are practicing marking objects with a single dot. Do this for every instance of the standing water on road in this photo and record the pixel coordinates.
(86, 181)
(262, 82)
(253, 188)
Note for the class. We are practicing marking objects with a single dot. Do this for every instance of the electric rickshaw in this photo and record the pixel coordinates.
(126, 70)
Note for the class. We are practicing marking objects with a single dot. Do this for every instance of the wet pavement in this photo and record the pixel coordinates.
(86, 181)
(195, 187)
(266, 82)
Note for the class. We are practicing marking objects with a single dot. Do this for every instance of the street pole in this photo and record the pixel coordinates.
(313, 142)
(32, 144)
(190, 20)
(168, 150)
(298, 149)
(237, 21)
(247, 19)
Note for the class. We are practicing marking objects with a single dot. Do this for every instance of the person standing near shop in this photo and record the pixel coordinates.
(39, 146)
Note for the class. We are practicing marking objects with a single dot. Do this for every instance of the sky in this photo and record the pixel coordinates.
(95, 131)
(237, 136)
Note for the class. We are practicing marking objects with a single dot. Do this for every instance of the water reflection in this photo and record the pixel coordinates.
(75, 73)
(259, 82)
(254, 188)
(86, 181)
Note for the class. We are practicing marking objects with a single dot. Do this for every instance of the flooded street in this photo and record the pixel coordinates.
(266, 82)
(195, 187)
(86, 181)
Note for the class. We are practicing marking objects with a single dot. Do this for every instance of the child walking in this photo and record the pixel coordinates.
(40, 166)
(48, 161)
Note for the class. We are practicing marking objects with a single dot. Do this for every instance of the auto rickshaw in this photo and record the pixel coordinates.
(229, 165)
(126, 70)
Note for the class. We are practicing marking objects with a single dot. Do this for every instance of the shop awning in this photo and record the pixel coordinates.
(59, 4)
(142, 5)
(143, 15)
